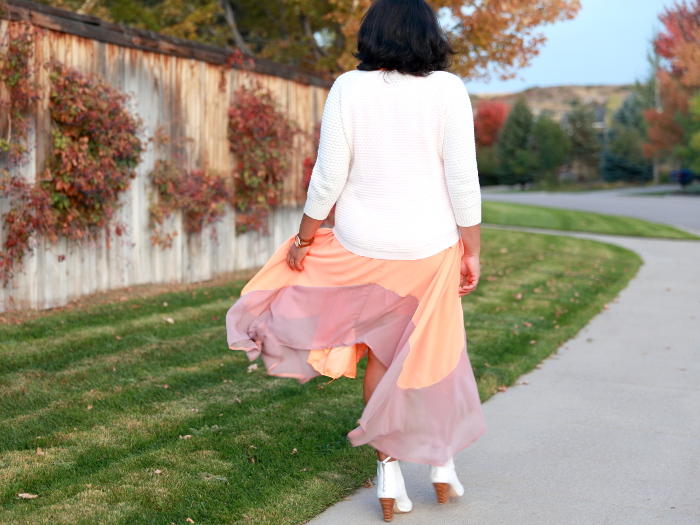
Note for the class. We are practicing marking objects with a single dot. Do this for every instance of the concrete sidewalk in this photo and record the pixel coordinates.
(606, 432)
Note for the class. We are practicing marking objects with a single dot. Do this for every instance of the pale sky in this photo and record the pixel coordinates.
(607, 43)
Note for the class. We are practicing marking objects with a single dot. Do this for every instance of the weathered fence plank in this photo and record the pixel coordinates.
(175, 86)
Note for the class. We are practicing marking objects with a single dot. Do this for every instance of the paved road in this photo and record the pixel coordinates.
(606, 432)
(682, 211)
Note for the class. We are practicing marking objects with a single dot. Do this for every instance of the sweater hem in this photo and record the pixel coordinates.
(317, 210)
(470, 216)
(412, 255)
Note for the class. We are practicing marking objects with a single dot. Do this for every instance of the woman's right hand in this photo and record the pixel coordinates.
(469, 274)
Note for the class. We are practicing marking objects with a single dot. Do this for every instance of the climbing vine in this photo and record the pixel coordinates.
(201, 195)
(236, 59)
(262, 138)
(19, 91)
(95, 150)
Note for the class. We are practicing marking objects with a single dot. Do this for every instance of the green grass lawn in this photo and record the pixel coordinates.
(112, 414)
(576, 221)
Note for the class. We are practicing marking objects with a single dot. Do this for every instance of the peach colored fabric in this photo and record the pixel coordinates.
(321, 321)
(439, 318)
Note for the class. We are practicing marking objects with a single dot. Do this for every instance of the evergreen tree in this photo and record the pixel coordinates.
(550, 147)
(623, 157)
(514, 156)
(487, 161)
(585, 143)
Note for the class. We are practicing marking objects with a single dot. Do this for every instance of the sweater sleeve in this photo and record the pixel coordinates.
(459, 156)
(333, 161)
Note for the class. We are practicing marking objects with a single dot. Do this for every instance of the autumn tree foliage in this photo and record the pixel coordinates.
(489, 117)
(494, 37)
(675, 128)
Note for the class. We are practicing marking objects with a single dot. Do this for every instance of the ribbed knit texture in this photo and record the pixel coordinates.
(397, 154)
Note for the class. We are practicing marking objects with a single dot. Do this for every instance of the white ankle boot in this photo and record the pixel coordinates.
(445, 481)
(391, 489)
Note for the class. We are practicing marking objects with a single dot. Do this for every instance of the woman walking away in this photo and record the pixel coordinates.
(397, 158)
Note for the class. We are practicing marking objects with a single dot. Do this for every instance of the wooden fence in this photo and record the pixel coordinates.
(175, 86)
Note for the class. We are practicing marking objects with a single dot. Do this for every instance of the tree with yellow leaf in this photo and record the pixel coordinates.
(674, 127)
(493, 37)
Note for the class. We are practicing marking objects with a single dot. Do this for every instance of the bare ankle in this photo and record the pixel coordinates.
(381, 457)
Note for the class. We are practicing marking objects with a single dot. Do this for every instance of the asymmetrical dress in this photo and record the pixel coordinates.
(397, 158)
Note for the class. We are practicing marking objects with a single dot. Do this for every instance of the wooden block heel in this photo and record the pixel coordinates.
(442, 491)
(387, 508)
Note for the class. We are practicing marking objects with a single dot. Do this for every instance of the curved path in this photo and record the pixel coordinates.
(682, 211)
(606, 432)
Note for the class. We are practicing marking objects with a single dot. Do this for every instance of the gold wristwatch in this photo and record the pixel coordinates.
(300, 243)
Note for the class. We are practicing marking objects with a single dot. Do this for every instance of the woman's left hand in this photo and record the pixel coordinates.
(295, 256)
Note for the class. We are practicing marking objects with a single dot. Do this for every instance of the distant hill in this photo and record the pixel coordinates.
(559, 99)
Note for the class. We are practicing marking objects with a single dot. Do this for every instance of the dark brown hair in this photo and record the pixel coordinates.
(402, 35)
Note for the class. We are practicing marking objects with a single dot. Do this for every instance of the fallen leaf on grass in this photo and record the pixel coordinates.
(533, 342)
(166, 386)
(252, 367)
(518, 296)
(119, 338)
(527, 324)
(157, 471)
(169, 320)
(165, 303)
(24, 495)
(487, 365)
(213, 477)
(89, 407)
(189, 520)
(186, 436)
(39, 452)
(294, 451)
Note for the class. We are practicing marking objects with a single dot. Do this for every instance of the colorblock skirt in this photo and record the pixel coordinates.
(323, 320)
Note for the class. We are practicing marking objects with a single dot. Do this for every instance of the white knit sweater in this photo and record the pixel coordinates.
(397, 155)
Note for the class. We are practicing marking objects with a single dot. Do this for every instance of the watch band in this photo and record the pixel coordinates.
(300, 243)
